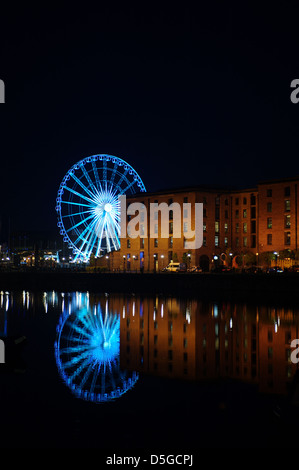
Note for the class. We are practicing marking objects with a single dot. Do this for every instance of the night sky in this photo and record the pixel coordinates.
(186, 96)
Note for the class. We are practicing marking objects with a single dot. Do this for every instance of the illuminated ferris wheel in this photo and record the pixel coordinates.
(87, 204)
(87, 351)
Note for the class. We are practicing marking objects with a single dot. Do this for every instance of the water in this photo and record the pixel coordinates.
(129, 372)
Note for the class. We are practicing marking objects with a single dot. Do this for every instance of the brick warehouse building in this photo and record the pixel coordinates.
(248, 226)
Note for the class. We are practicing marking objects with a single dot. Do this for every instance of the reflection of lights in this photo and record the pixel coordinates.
(231, 323)
(275, 327)
(215, 310)
(133, 308)
(6, 303)
(162, 310)
(188, 316)
(87, 354)
(124, 311)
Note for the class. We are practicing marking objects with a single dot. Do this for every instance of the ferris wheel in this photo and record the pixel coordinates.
(88, 207)
(87, 351)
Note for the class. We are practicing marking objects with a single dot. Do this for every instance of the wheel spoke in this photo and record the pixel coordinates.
(92, 187)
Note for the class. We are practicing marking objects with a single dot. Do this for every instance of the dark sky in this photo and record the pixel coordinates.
(186, 96)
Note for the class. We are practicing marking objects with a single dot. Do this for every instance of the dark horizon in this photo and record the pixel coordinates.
(186, 96)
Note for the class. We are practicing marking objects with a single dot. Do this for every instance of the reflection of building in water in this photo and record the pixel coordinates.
(276, 330)
(194, 340)
(179, 338)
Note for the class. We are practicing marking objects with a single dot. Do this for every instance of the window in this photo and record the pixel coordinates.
(216, 226)
(237, 201)
(185, 213)
(253, 226)
(269, 207)
(253, 241)
(288, 337)
(185, 343)
(287, 238)
(171, 215)
(269, 192)
(244, 200)
(270, 352)
(269, 222)
(128, 243)
(244, 213)
(252, 200)
(287, 221)
(226, 214)
(204, 212)
(204, 241)
(156, 242)
(217, 212)
(253, 212)
(170, 227)
(141, 242)
(269, 239)
(270, 336)
(287, 191)
(217, 200)
(237, 228)
(237, 214)
(287, 205)
(237, 241)
(226, 201)
(204, 226)
(225, 241)
(170, 243)
(225, 227)
(216, 240)
(245, 241)
(185, 199)
(204, 200)
(245, 227)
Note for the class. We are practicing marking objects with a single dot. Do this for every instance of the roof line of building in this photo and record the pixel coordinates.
(213, 189)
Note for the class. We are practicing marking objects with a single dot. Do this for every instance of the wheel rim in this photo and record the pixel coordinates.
(87, 204)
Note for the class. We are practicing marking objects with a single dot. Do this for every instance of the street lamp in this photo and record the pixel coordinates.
(162, 256)
(155, 257)
(189, 260)
(124, 257)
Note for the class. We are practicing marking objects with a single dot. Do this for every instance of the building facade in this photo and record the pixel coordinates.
(240, 227)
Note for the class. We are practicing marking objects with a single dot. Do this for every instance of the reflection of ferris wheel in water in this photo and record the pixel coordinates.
(87, 354)
(87, 204)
